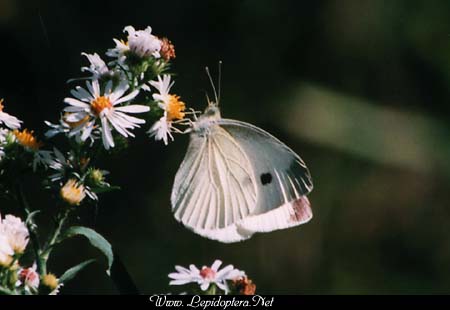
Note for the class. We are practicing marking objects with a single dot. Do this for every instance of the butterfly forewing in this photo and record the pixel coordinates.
(215, 185)
(282, 179)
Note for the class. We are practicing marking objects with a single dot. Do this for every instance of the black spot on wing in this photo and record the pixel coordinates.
(266, 178)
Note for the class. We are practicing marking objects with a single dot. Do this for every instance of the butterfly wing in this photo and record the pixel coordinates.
(215, 187)
(282, 179)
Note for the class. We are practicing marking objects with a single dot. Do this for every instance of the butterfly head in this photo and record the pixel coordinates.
(211, 114)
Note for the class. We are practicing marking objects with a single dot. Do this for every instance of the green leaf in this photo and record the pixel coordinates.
(100, 190)
(72, 272)
(95, 239)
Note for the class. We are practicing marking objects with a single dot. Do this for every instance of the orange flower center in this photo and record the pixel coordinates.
(167, 49)
(175, 108)
(27, 139)
(1, 105)
(99, 104)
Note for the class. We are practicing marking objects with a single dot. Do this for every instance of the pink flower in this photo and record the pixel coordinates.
(29, 277)
(205, 276)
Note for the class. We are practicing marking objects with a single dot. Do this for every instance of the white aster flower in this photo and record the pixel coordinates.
(143, 43)
(162, 130)
(56, 129)
(6, 251)
(90, 105)
(172, 106)
(163, 86)
(10, 121)
(206, 276)
(119, 51)
(16, 233)
(97, 67)
(140, 42)
(71, 130)
(60, 165)
(3, 134)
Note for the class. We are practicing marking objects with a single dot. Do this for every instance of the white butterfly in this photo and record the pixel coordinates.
(237, 179)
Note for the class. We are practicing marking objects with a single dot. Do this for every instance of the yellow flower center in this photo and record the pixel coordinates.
(50, 281)
(75, 124)
(6, 261)
(72, 192)
(1, 105)
(175, 108)
(27, 139)
(99, 104)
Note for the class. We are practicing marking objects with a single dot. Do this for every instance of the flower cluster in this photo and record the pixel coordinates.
(14, 239)
(105, 108)
(213, 280)
(115, 99)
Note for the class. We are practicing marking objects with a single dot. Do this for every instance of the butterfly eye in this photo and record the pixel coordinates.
(266, 178)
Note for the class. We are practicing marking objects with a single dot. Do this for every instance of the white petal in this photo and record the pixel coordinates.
(116, 125)
(127, 97)
(215, 266)
(225, 270)
(223, 286)
(75, 117)
(87, 131)
(204, 286)
(81, 94)
(106, 134)
(118, 92)
(75, 109)
(76, 103)
(181, 269)
(108, 88)
(179, 282)
(134, 108)
(131, 119)
(96, 88)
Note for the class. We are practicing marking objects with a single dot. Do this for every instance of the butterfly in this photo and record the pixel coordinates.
(237, 179)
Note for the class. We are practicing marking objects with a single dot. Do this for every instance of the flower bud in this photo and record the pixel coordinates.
(49, 280)
(72, 193)
(96, 176)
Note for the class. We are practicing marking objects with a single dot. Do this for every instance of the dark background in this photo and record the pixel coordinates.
(359, 88)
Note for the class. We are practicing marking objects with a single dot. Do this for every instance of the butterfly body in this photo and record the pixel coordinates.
(236, 179)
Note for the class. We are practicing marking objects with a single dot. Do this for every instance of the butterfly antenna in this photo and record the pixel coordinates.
(207, 97)
(212, 84)
(220, 80)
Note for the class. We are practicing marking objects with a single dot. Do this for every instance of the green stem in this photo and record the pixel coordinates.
(212, 290)
(54, 238)
(41, 268)
(5, 291)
